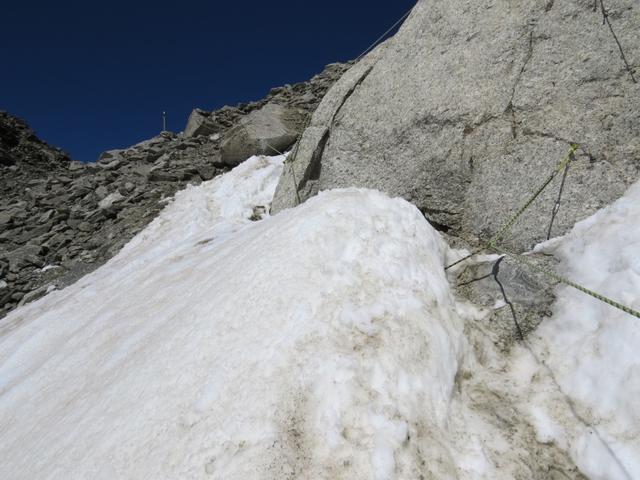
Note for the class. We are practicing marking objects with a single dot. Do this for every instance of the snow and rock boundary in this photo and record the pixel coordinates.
(324, 342)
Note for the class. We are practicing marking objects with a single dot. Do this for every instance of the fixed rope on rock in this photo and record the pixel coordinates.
(507, 226)
(495, 271)
(294, 155)
(605, 20)
(491, 244)
(559, 278)
(382, 37)
(494, 242)
(556, 206)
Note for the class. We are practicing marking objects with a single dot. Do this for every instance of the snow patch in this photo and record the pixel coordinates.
(591, 347)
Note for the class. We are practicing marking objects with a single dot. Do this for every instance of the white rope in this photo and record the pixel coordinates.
(381, 37)
(232, 131)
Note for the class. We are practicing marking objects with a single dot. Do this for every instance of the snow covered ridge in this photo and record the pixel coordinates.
(323, 342)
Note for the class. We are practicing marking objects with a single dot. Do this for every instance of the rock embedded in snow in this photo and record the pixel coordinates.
(470, 106)
(530, 293)
(35, 294)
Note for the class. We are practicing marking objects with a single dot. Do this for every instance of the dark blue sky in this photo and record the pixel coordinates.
(91, 76)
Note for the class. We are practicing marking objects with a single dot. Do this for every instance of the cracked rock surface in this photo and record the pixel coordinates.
(469, 108)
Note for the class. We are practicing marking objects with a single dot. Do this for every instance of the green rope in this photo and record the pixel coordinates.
(491, 244)
(550, 273)
(507, 226)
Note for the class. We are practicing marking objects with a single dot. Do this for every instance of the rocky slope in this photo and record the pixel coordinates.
(60, 219)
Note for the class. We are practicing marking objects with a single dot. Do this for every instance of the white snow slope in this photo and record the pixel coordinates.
(312, 341)
(320, 343)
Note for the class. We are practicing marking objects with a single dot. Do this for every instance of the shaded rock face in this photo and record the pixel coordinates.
(60, 219)
(471, 105)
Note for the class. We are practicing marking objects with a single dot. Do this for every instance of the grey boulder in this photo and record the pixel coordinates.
(267, 131)
(28, 255)
(198, 124)
(109, 156)
(109, 200)
(36, 294)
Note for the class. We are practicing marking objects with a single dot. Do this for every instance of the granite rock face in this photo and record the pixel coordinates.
(303, 96)
(469, 108)
(267, 131)
(197, 124)
(60, 219)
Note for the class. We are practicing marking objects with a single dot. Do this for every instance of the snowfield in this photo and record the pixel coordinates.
(211, 345)
(324, 342)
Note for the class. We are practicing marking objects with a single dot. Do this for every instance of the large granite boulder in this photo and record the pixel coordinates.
(266, 131)
(199, 123)
(469, 107)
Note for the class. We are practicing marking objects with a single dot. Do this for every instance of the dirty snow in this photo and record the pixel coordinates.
(323, 342)
(592, 348)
